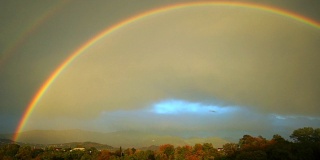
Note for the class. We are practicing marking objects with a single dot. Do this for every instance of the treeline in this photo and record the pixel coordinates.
(304, 145)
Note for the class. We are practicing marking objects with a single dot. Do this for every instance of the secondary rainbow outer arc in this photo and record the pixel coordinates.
(109, 30)
(9, 51)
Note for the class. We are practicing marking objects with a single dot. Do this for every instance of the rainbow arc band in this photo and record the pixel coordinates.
(108, 30)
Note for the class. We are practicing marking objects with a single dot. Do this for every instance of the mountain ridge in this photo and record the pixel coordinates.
(126, 139)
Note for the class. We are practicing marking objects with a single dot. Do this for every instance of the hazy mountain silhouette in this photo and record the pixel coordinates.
(83, 144)
(125, 139)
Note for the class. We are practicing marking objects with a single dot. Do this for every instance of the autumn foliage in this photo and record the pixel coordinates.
(305, 146)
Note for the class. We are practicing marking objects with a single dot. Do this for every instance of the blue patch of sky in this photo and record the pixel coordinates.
(174, 106)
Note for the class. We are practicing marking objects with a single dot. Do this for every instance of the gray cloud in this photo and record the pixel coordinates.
(232, 122)
(248, 58)
(263, 63)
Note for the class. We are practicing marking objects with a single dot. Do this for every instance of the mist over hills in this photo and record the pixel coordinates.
(126, 139)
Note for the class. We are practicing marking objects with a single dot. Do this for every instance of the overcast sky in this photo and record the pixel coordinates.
(196, 71)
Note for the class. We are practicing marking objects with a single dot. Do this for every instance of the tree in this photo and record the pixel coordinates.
(36, 152)
(24, 153)
(198, 150)
(133, 150)
(167, 150)
(209, 151)
(316, 135)
(182, 153)
(230, 149)
(104, 155)
(254, 155)
(248, 142)
(11, 150)
(93, 152)
(279, 148)
(148, 155)
(278, 139)
(77, 154)
(306, 135)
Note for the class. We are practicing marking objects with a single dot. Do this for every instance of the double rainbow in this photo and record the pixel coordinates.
(89, 43)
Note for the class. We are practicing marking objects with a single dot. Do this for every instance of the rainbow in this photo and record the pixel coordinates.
(121, 24)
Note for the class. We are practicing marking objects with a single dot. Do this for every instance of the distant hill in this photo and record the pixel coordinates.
(6, 141)
(63, 145)
(152, 148)
(6, 136)
(126, 139)
(83, 144)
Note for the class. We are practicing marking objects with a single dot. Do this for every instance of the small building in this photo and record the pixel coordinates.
(78, 149)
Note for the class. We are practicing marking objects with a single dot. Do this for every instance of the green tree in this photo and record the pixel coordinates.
(182, 153)
(148, 155)
(133, 150)
(36, 152)
(230, 149)
(278, 139)
(279, 148)
(252, 155)
(306, 134)
(11, 150)
(24, 152)
(93, 152)
(316, 135)
(209, 151)
(77, 154)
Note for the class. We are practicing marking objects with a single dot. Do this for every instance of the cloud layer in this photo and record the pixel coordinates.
(263, 63)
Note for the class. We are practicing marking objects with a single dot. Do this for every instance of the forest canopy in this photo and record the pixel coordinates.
(304, 144)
